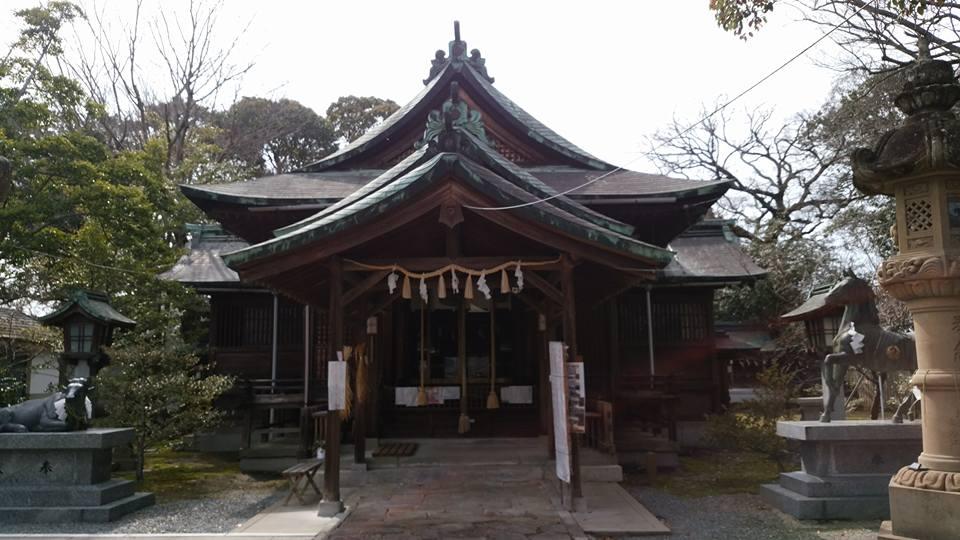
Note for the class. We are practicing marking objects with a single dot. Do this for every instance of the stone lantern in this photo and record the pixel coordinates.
(919, 164)
(88, 321)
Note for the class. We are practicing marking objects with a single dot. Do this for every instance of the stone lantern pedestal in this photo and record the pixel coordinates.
(919, 164)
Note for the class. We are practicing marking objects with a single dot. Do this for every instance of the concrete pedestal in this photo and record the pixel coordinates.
(62, 477)
(846, 467)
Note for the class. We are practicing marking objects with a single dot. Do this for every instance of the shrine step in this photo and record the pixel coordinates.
(385, 473)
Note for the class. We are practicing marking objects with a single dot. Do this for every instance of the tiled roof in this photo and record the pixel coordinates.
(326, 187)
(14, 323)
(814, 307)
(485, 171)
(709, 252)
(93, 304)
(622, 183)
(202, 265)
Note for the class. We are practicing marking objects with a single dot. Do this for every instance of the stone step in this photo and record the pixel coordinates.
(803, 507)
(846, 485)
(33, 495)
(64, 514)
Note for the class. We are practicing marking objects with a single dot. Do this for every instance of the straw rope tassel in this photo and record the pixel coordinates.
(492, 401)
(405, 290)
(441, 287)
(422, 393)
(463, 425)
(468, 291)
(504, 282)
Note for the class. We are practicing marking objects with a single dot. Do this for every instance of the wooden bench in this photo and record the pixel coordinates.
(300, 476)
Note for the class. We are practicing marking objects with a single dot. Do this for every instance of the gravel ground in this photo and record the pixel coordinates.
(737, 517)
(207, 515)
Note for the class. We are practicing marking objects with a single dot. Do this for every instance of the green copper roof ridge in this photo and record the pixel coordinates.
(606, 236)
(371, 187)
(397, 191)
(544, 191)
(309, 232)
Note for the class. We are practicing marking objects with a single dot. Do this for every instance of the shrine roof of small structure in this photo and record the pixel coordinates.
(202, 266)
(94, 305)
(701, 256)
(814, 307)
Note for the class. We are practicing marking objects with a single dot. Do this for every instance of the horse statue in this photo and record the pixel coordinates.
(861, 342)
(69, 410)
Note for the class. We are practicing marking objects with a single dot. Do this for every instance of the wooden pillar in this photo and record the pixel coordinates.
(331, 469)
(360, 401)
(308, 436)
(570, 339)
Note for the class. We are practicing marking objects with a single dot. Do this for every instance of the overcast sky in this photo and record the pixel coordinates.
(603, 74)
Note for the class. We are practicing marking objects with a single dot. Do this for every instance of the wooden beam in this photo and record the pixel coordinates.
(365, 285)
(428, 264)
(544, 286)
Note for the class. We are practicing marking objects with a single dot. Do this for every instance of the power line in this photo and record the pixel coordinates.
(83, 261)
(685, 130)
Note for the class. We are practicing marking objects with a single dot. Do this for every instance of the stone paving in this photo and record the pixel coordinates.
(456, 504)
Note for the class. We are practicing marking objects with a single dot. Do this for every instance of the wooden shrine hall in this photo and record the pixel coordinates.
(443, 249)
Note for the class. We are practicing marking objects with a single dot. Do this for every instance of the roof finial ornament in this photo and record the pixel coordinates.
(457, 58)
(444, 126)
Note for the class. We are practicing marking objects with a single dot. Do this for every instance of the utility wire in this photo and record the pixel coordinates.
(685, 130)
(83, 261)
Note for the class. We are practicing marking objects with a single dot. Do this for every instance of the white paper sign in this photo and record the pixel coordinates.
(558, 386)
(336, 385)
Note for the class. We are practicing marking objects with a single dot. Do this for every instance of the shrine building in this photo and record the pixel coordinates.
(442, 251)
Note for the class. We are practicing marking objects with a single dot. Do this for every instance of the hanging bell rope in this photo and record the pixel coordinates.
(405, 290)
(468, 292)
(492, 401)
(422, 393)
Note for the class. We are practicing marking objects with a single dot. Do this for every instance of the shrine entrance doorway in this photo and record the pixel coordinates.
(476, 358)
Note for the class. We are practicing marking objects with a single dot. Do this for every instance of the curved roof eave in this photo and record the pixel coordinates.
(397, 190)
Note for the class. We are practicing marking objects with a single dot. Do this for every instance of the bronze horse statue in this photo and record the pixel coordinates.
(861, 342)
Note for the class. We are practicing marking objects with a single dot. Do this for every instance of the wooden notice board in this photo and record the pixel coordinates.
(576, 397)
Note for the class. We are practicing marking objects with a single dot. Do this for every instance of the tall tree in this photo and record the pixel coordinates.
(78, 214)
(273, 136)
(196, 71)
(352, 116)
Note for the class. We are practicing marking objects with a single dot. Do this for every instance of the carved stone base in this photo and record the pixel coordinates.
(847, 467)
(923, 513)
(63, 477)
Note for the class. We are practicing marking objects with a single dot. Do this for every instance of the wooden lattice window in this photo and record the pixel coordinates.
(676, 322)
(632, 319)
